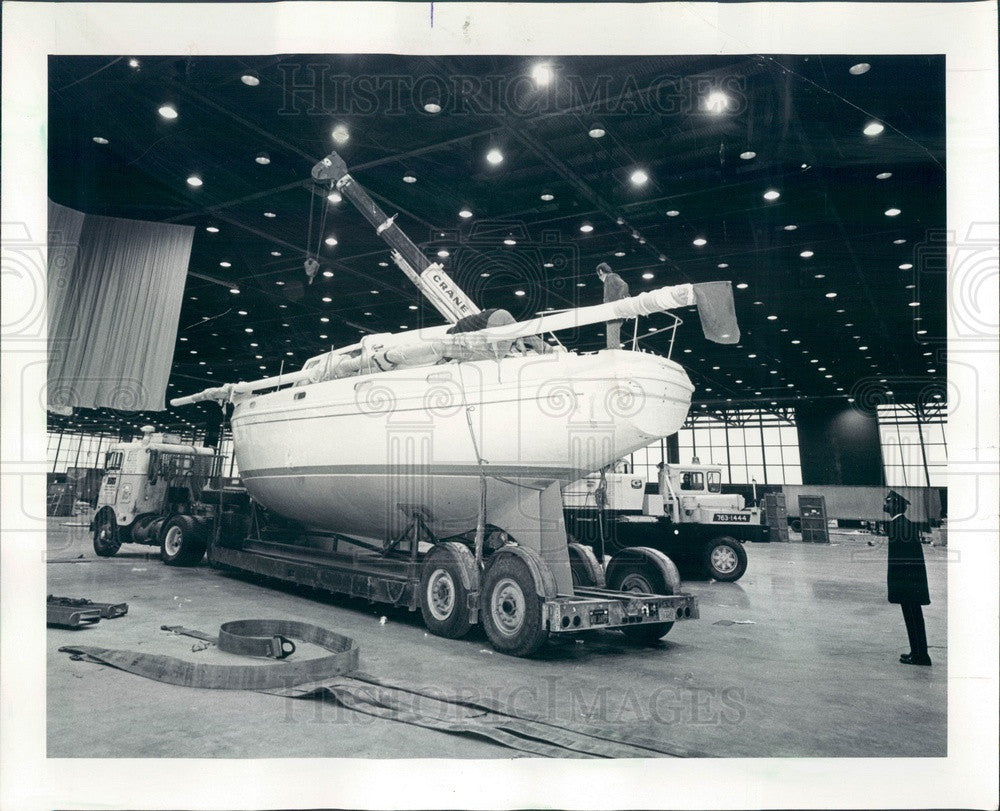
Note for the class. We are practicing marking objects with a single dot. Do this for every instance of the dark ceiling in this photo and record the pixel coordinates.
(803, 117)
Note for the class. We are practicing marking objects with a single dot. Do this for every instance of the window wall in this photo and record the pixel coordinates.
(914, 450)
(68, 449)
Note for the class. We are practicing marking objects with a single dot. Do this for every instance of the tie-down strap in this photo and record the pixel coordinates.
(246, 637)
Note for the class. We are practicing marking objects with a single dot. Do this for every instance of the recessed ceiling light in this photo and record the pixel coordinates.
(485, 275)
(324, 320)
(275, 253)
(921, 332)
(898, 241)
(494, 156)
(931, 371)
(586, 228)
(194, 181)
(432, 107)
(548, 265)
(373, 292)
(910, 287)
(250, 79)
(97, 139)
(225, 264)
(581, 284)
(796, 341)
(831, 295)
(542, 73)
(242, 312)
(758, 303)
(340, 134)
(211, 229)
(748, 155)
(327, 273)
(723, 264)
(648, 276)
(168, 111)
(270, 215)
(673, 213)
(518, 292)
(134, 63)
(465, 213)
(510, 241)
(862, 348)
(873, 128)
(806, 254)
(412, 307)
(409, 179)
(383, 264)
(742, 286)
(335, 197)
(905, 266)
(772, 318)
(715, 102)
(883, 175)
(700, 241)
(443, 253)
(819, 276)
(859, 69)
(548, 197)
(914, 304)
(639, 177)
(619, 254)
(331, 241)
(772, 194)
(263, 158)
(327, 299)
(234, 290)
(280, 284)
(892, 212)
(790, 227)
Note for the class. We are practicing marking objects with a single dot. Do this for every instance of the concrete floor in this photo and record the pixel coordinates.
(799, 658)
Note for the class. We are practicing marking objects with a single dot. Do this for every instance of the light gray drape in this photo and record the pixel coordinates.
(114, 299)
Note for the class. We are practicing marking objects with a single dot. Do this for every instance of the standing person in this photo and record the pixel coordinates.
(615, 289)
(906, 576)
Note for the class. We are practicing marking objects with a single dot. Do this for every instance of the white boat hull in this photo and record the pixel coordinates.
(360, 455)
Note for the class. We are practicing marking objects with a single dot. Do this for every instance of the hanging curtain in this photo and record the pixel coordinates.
(114, 299)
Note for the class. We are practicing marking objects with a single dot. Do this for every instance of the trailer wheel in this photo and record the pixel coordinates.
(511, 608)
(645, 571)
(725, 559)
(181, 541)
(107, 538)
(587, 572)
(445, 579)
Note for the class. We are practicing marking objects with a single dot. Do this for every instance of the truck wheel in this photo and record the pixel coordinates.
(444, 597)
(646, 571)
(511, 608)
(725, 559)
(587, 572)
(181, 541)
(107, 538)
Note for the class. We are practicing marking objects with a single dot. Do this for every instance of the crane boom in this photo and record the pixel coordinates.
(429, 277)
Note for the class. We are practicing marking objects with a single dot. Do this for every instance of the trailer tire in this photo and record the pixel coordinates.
(646, 571)
(510, 605)
(182, 542)
(447, 579)
(107, 537)
(724, 559)
(587, 572)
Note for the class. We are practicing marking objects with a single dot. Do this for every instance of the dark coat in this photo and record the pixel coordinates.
(615, 287)
(906, 575)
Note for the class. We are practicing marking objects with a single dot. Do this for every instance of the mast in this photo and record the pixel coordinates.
(429, 277)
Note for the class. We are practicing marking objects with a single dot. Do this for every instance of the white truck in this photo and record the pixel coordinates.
(684, 514)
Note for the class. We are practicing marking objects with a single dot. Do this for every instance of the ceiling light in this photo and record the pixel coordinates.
(673, 213)
(742, 286)
(270, 215)
(134, 63)
(639, 177)
(510, 241)
(807, 254)
(898, 241)
(796, 341)
(819, 276)
(327, 299)
(542, 73)
(772, 194)
(443, 253)
(485, 275)
(234, 290)
(859, 69)
(383, 264)
(586, 228)
(340, 134)
(831, 295)
(331, 241)
(748, 155)
(648, 276)
(194, 181)
(758, 303)
(225, 264)
(250, 79)
(328, 274)
(465, 213)
(335, 197)
(432, 107)
(263, 158)
(409, 179)
(494, 156)
(883, 175)
(412, 307)
(168, 111)
(892, 212)
(862, 348)
(581, 284)
(723, 264)
(518, 292)
(548, 197)
(772, 318)
(211, 229)
(280, 284)
(715, 102)
(619, 254)
(931, 371)
(275, 253)
(873, 128)
(97, 139)
(373, 292)
(921, 332)
(325, 320)
(548, 265)
(700, 241)
(597, 131)
(914, 304)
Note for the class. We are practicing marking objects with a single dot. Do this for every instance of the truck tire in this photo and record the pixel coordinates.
(446, 580)
(646, 571)
(181, 541)
(510, 608)
(724, 559)
(587, 572)
(107, 537)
